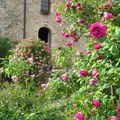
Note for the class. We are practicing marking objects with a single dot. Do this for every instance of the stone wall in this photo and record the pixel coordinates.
(11, 18)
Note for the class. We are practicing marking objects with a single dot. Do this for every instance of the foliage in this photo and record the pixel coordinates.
(29, 63)
(96, 71)
(5, 46)
(17, 104)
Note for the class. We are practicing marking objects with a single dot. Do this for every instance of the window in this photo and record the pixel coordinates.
(45, 6)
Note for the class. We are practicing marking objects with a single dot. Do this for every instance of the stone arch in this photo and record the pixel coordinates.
(44, 34)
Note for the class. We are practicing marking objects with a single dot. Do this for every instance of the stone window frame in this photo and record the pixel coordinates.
(45, 7)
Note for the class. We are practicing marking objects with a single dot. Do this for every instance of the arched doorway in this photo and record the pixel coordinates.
(44, 34)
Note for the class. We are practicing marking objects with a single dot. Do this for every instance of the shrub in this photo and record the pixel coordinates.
(29, 62)
(5, 46)
(97, 68)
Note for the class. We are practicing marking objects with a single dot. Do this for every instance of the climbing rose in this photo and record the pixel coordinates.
(81, 21)
(30, 60)
(73, 34)
(68, 5)
(78, 52)
(92, 81)
(107, 16)
(98, 30)
(79, 6)
(96, 103)
(66, 35)
(83, 72)
(65, 77)
(118, 109)
(92, 111)
(58, 17)
(73, 40)
(95, 73)
(97, 46)
(73, 6)
(69, 44)
(79, 116)
(112, 118)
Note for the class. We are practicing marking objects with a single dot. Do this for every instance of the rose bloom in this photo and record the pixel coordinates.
(92, 81)
(107, 16)
(65, 77)
(15, 78)
(97, 46)
(92, 111)
(73, 34)
(79, 116)
(79, 6)
(69, 44)
(118, 109)
(95, 73)
(58, 17)
(83, 72)
(66, 35)
(78, 52)
(30, 60)
(68, 5)
(73, 40)
(81, 20)
(98, 30)
(96, 103)
(113, 118)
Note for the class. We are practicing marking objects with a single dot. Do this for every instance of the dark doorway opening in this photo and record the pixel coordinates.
(44, 34)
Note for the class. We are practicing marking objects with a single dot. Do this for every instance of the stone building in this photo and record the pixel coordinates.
(29, 19)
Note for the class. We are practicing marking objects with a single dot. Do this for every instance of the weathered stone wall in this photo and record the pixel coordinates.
(12, 21)
(11, 18)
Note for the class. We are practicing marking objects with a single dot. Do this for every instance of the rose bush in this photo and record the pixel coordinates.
(96, 69)
(29, 63)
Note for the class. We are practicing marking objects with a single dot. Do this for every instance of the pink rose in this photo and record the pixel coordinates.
(112, 118)
(65, 77)
(89, 52)
(58, 17)
(78, 52)
(92, 111)
(69, 44)
(92, 81)
(81, 21)
(95, 73)
(68, 5)
(97, 46)
(73, 40)
(30, 60)
(73, 6)
(15, 78)
(74, 105)
(96, 103)
(118, 109)
(79, 6)
(107, 16)
(98, 30)
(79, 116)
(83, 72)
(66, 35)
(73, 34)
